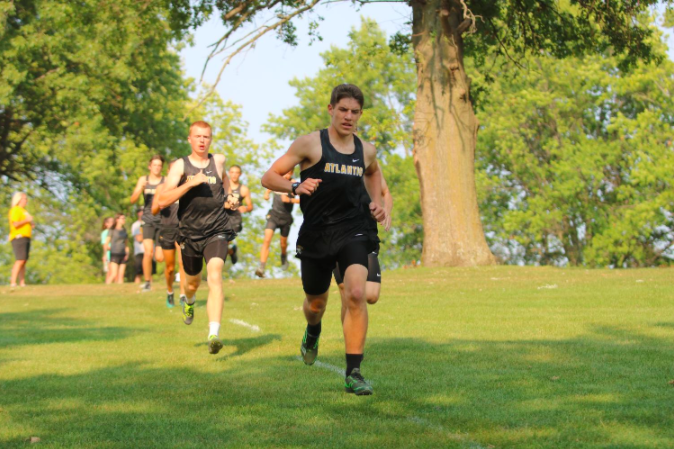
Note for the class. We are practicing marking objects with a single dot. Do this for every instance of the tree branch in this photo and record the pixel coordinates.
(258, 33)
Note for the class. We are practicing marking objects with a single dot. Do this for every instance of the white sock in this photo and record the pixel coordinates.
(192, 300)
(214, 328)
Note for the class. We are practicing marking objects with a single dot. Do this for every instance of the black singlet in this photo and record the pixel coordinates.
(234, 198)
(338, 199)
(148, 196)
(201, 210)
(118, 238)
(280, 209)
(169, 216)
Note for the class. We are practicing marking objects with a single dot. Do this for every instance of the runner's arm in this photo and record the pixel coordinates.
(388, 202)
(171, 192)
(373, 183)
(289, 199)
(140, 185)
(299, 151)
(155, 202)
(245, 192)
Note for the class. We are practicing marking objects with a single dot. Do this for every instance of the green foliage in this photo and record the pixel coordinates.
(89, 91)
(387, 80)
(384, 77)
(515, 28)
(575, 161)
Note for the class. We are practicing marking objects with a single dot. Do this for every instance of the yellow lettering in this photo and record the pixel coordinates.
(343, 169)
(349, 170)
(327, 167)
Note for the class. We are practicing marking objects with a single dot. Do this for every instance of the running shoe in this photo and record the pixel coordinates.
(214, 344)
(183, 299)
(169, 300)
(260, 271)
(235, 255)
(284, 262)
(355, 383)
(188, 313)
(146, 287)
(309, 354)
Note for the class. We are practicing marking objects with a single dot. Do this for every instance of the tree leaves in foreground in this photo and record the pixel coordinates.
(575, 161)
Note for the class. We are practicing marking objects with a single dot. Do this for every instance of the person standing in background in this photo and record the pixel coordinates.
(21, 226)
(138, 248)
(119, 250)
(107, 224)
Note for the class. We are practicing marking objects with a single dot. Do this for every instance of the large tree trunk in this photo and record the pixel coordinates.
(445, 132)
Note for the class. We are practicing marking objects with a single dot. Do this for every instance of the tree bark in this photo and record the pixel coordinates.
(445, 133)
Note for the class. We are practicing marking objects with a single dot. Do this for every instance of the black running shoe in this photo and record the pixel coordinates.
(355, 383)
(284, 262)
(214, 344)
(235, 255)
(169, 300)
(146, 287)
(309, 354)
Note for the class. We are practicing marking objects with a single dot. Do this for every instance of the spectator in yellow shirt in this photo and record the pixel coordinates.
(20, 230)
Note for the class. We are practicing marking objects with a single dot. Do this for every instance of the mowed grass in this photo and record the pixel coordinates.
(500, 357)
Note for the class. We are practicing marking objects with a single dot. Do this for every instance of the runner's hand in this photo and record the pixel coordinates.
(199, 178)
(378, 212)
(387, 222)
(308, 187)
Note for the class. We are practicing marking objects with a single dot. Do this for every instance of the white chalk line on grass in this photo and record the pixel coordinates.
(415, 419)
(326, 366)
(252, 327)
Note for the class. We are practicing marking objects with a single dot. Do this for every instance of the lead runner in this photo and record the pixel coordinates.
(337, 168)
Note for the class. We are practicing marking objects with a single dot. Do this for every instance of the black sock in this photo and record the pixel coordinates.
(313, 332)
(353, 361)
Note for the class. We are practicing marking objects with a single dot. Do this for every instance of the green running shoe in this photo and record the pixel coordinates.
(188, 313)
(183, 300)
(214, 344)
(355, 383)
(169, 300)
(309, 354)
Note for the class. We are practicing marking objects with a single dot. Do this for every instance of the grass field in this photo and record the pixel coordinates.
(499, 357)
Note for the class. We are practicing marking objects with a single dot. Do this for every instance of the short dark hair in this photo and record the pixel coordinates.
(347, 91)
(158, 157)
(236, 166)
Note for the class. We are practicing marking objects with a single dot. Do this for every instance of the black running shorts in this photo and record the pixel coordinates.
(373, 270)
(194, 252)
(274, 222)
(119, 259)
(21, 247)
(317, 273)
(168, 238)
(150, 231)
(139, 264)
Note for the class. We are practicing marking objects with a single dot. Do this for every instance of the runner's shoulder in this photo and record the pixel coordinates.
(307, 143)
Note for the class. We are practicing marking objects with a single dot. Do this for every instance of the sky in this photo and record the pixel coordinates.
(258, 80)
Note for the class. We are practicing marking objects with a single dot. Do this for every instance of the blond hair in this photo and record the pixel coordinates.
(17, 197)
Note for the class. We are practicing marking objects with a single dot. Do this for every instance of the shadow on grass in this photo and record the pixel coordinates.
(52, 326)
(604, 389)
